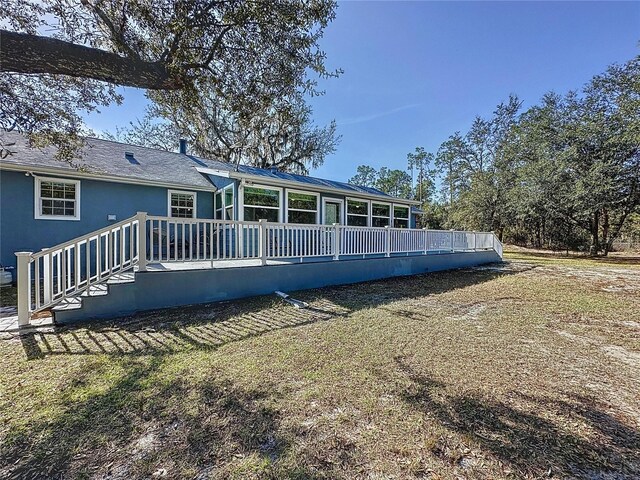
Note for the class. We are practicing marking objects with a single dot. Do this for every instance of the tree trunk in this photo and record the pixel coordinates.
(595, 232)
(605, 231)
(33, 54)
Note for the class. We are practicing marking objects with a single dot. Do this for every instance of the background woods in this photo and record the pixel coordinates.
(563, 174)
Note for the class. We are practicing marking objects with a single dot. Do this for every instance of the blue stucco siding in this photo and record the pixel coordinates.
(162, 289)
(20, 231)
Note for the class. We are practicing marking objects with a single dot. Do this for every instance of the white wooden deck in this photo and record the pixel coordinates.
(208, 264)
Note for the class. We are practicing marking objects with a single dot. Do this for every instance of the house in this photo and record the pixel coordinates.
(46, 201)
(127, 229)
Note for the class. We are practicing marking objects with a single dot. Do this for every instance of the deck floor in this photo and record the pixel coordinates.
(207, 264)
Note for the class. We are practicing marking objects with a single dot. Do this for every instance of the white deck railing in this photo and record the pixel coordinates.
(52, 275)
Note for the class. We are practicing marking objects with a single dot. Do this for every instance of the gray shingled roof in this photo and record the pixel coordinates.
(104, 157)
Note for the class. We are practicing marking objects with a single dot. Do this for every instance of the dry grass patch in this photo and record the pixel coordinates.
(527, 371)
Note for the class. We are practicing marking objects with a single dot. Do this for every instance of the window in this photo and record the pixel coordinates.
(400, 217)
(261, 203)
(218, 205)
(57, 199)
(224, 203)
(182, 204)
(357, 213)
(302, 207)
(380, 214)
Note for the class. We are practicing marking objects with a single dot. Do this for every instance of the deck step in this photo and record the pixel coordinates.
(71, 303)
(124, 277)
(96, 290)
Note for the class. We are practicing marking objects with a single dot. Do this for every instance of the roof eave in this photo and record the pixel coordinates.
(279, 182)
(101, 177)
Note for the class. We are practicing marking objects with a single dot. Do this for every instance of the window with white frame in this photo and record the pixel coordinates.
(380, 214)
(224, 203)
(400, 216)
(357, 213)
(57, 199)
(302, 207)
(261, 203)
(182, 204)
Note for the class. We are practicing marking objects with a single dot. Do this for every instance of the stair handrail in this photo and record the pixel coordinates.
(48, 277)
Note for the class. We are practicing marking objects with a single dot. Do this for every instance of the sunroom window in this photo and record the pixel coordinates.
(302, 207)
(400, 217)
(224, 203)
(261, 203)
(57, 199)
(182, 204)
(380, 214)
(357, 213)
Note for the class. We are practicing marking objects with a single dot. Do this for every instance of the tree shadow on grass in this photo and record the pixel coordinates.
(139, 425)
(530, 443)
(213, 325)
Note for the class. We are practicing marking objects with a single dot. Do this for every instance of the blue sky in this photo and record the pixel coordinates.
(415, 72)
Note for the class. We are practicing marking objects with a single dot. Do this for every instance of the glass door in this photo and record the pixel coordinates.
(332, 211)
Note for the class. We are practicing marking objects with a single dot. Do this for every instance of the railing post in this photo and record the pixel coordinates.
(47, 276)
(262, 238)
(475, 241)
(24, 288)
(452, 240)
(142, 241)
(337, 241)
(426, 238)
(387, 236)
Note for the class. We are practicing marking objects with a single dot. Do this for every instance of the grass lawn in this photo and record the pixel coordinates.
(529, 371)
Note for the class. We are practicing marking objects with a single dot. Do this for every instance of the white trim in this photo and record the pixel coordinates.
(333, 200)
(293, 184)
(386, 204)
(38, 215)
(393, 215)
(361, 200)
(303, 192)
(98, 176)
(241, 204)
(224, 207)
(182, 192)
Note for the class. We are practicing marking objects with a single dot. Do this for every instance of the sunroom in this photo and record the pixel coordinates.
(251, 194)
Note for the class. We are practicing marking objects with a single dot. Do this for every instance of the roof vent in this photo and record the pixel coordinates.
(130, 158)
(183, 146)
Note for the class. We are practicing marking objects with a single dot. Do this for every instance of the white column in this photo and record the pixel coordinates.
(262, 238)
(337, 238)
(24, 288)
(452, 242)
(142, 241)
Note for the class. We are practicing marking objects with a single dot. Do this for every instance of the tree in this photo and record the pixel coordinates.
(147, 132)
(471, 166)
(365, 176)
(251, 54)
(394, 182)
(421, 160)
(283, 137)
(448, 163)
